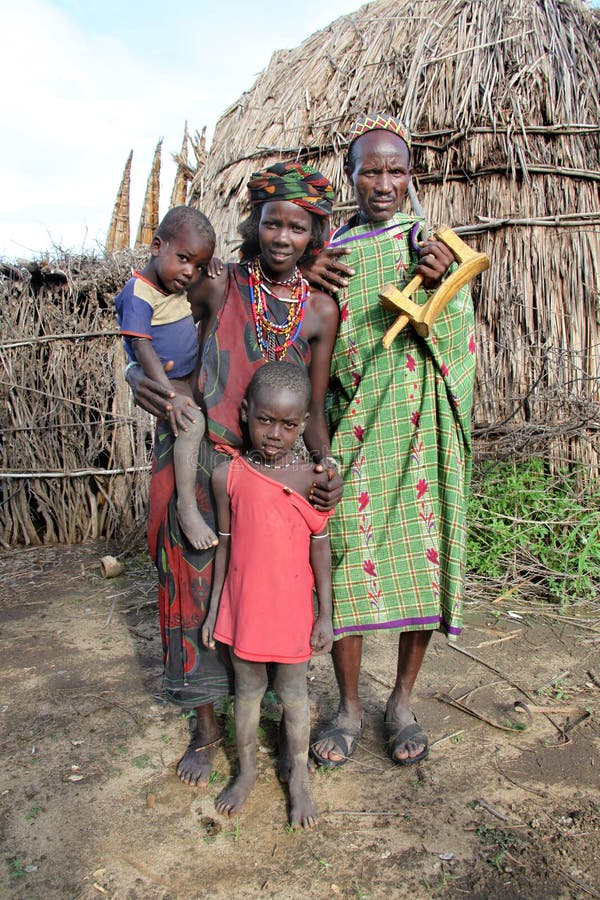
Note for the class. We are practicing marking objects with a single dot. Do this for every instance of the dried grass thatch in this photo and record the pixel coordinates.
(503, 101)
(74, 452)
(183, 175)
(149, 218)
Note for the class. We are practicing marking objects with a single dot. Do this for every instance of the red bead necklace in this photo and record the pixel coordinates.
(274, 339)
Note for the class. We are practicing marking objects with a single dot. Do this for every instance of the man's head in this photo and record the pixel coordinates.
(378, 165)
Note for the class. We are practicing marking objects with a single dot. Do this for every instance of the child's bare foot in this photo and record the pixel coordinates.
(194, 527)
(195, 766)
(232, 798)
(303, 812)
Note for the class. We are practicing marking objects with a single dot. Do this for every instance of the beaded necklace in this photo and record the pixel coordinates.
(274, 339)
(267, 465)
(291, 280)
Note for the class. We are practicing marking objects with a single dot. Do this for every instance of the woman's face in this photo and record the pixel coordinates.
(284, 232)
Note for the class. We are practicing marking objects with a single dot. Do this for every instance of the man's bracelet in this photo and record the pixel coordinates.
(329, 462)
(130, 365)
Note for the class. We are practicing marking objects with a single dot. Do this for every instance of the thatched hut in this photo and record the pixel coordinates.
(502, 98)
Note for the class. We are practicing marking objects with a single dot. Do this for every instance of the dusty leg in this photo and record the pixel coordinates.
(411, 651)
(290, 684)
(250, 685)
(185, 457)
(195, 765)
(346, 654)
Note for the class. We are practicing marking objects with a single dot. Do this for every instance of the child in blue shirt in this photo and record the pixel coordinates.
(155, 319)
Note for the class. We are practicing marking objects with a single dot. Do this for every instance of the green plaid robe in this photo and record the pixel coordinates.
(400, 423)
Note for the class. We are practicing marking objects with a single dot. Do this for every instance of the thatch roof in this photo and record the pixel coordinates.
(503, 101)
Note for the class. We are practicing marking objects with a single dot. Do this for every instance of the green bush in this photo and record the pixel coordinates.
(528, 524)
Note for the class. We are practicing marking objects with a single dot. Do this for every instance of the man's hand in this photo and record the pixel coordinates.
(327, 487)
(434, 261)
(326, 272)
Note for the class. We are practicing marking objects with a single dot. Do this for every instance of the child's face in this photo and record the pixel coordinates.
(275, 418)
(178, 261)
(284, 232)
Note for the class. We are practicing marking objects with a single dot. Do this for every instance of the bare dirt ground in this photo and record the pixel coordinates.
(92, 808)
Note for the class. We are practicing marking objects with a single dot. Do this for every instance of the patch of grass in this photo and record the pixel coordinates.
(142, 762)
(216, 777)
(16, 869)
(497, 842)
(33, 813)
(556, 691)
(515, 726)
(235, 832)
(360, 892)
(526, 522)
(225, 709)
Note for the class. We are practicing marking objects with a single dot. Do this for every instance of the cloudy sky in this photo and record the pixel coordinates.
(86, 81)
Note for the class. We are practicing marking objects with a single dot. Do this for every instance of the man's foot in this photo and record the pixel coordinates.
(303, 812)
(407, 744)
(231, 799)
(195, 766)
(194, 527)
(337, 742)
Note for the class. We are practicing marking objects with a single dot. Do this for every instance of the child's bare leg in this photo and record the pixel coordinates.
(185, 458)
(250, 686)
(290, 684)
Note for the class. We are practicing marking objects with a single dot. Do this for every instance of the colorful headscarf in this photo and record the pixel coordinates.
(299, 184)
(381, 121)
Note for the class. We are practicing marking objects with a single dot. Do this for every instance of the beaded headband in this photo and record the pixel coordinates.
(300, 184)
(381, 121)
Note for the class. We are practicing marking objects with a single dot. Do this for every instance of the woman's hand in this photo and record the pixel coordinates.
(326, 272)
(158, 399)
(151, 395)
(434, 261)
(327, 488)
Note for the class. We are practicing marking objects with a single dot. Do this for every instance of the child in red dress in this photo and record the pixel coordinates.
(273, 548)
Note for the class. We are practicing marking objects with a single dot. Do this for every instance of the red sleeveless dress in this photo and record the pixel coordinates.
(266, 608)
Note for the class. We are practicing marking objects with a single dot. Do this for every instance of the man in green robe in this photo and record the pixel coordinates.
(400, 421)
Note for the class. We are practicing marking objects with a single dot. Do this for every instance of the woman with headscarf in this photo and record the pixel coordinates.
(256, 310)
